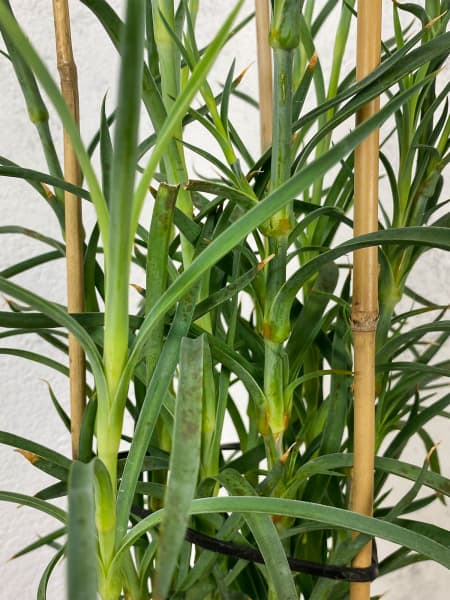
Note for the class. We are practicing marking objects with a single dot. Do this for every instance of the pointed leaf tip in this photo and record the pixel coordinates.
(29, 456)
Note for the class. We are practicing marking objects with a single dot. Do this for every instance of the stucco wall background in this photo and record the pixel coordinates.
(25, 405)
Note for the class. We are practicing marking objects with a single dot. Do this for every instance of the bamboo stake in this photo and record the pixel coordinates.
(365, 287)
(73, 218)
(264, 72)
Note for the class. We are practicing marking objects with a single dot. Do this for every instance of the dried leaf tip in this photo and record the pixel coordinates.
(47, 191)
(29, 456)
(8, 301)
(431, 451)
(430, 24)
(264, 262)
(241, 75)
(285, 456)
(138, 288)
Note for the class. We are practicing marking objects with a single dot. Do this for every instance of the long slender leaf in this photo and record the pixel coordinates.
(62, 318)
(35, 449)
(437, 237)
(42, 541)
(184, 462)
(35, 503)
(43, 583)
(266, 536)
(155, 394)
(334, 517)
(82, 543)
(31, 175)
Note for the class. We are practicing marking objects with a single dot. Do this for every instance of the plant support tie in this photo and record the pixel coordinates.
(297, 565)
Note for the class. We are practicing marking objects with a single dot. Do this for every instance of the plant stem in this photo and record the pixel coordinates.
(170, 71)
(365, 288)
(283, 39)
(282, 222)
(73, 218)
(264, 72)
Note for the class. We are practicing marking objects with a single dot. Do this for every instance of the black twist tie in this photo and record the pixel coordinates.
(297, 565)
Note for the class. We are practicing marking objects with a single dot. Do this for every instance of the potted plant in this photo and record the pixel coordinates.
(290, 507)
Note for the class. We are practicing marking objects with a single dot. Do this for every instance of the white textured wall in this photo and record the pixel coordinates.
(25, 406)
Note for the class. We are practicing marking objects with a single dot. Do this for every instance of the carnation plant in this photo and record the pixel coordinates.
(252, 313)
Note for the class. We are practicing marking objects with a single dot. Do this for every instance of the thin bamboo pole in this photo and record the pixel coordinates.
(365, 287)
(264, 71)
(73, 218)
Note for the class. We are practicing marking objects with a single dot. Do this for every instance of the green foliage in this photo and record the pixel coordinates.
(245, 318)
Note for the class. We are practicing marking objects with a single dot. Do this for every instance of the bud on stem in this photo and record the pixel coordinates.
(285, 26)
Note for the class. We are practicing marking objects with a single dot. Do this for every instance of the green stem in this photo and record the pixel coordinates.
(283, 38)
(123, 173)
(170, 70)
(281, 223)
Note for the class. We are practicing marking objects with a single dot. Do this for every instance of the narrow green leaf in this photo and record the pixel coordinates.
(82, 543)
(184, 463)
(30, 263)
(36, 177)
(57, 490)
(94, 279)
(43, 583)
(87, 431)
(340, 389)
(154, 397)
(34, 449)
(59, 409)
(228, 292)
(106, 151)
(437, 237)
(38, 358)
(438, 534)
(309, 322)
(225, 103)
(59, 315)
(35, 235)
(403, 557)
(266, 536)
(35, 503)
(398, 343)
(156, 266)
(414, 424)
(333, 517)
(42, 541)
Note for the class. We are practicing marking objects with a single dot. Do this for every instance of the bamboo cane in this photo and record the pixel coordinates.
(365, 287)
(73, 218)
(264, 72)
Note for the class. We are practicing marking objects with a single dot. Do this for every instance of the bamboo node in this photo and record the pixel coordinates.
(365, 321)
(67, 71)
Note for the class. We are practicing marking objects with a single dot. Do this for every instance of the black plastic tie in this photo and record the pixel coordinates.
(298, 565)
